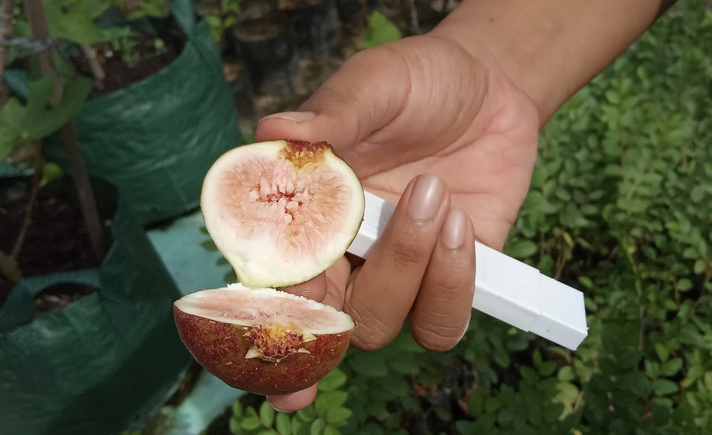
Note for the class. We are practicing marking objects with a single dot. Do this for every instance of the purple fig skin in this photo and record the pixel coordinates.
(221, 347)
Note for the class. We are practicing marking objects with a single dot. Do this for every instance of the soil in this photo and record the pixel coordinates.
(142, 53)
(55, 241)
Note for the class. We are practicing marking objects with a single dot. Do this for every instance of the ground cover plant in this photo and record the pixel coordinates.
(619, 208)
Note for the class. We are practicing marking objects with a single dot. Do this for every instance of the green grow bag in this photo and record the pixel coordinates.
(102, 362)
(157, 138)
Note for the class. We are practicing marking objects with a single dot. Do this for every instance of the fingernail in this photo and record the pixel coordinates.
(277, 408)
(426, 197)
(291, 116)
(454, 228)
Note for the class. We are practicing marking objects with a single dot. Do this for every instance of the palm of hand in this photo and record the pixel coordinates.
(459, 119)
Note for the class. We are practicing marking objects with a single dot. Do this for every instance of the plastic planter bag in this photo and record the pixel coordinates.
(101, 362)
(157, 138)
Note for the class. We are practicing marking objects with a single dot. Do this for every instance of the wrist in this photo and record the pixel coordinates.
(549, 49)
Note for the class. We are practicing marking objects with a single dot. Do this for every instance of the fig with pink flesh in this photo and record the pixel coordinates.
(264, 341)
(281, 213)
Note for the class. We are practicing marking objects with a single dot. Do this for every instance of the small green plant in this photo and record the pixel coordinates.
(380, 31)
(223, 18)
(53, 98)
(324, 417)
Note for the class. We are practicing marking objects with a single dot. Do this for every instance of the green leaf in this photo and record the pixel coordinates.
(529, 374)
(317, 427)
(672, 367)
(330, 430)
(250, 423)
(266, 414)
(664, 387)
(36, 120)
(283, 424)
(566, 373)
(698, 268)
(684, 284)
(586, 281)
(371, 364)
(635, 382)
(332, 381)
(396, 384)
(330, 399)
(235, 427)
(306, 414)
(51, 172)
(443, 413)
(338, 415)
(237, 409)
(209, 245)
(380, 31)
(74, 21)
(662, 352)
(522, 249)
(404, 364)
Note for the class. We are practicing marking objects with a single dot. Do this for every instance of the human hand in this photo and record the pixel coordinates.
(423, 105)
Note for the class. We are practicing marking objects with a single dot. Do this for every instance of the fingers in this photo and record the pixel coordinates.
(384, 289)
(327, 288)
(442, 309)
(315, 288)
(294, 401)
(349, 106)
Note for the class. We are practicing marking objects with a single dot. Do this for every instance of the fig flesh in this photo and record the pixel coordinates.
(281, 212)
(264, 341)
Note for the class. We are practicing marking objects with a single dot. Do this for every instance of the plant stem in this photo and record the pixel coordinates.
(9, 268)
(413, 21)
(84, 189)
(27, 221)
(96, 69)
(40, 30)
(6, 26)
(80, 176)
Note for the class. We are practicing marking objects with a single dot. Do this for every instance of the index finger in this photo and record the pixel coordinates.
(328, 288)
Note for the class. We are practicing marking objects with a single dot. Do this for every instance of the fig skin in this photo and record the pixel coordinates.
(221, 348)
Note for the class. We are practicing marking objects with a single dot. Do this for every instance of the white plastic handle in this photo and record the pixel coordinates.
(505, 288)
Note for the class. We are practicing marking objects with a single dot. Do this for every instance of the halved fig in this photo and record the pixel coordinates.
(281, 212)
(264, 341)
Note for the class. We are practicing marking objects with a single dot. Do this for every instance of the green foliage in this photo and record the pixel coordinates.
(324, 417)
(73, 20)
(380, 31)
(619, 208)
(223, 18)
(22, 123)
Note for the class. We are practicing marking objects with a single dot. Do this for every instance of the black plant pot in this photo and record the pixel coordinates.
(268, 46)
(315, 24)
(238, 78)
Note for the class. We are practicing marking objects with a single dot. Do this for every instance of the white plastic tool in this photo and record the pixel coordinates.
(505, 288)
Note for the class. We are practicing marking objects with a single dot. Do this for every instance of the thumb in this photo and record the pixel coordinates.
(315, 288)
(363, 96)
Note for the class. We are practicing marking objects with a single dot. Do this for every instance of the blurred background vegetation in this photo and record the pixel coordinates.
(620, 207)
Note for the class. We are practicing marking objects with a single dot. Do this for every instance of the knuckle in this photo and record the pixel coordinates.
(406, 253)
(372, 332)
(438, 337)
(367, 343)
(434, 341)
